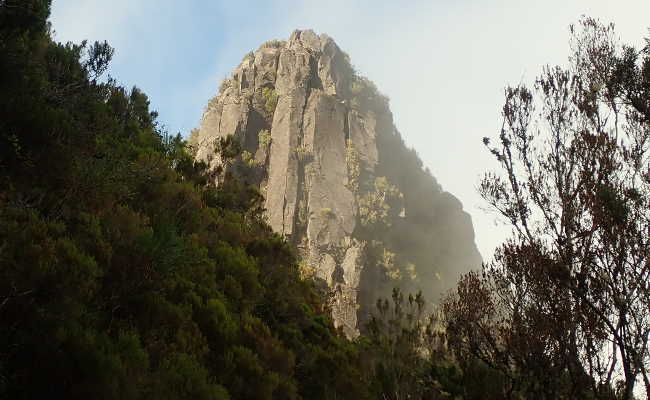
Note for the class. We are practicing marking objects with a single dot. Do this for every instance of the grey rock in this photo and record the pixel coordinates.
(363, 135)
(331, 204)
(305, 174)
(345, 303)
(326, 269)
(283, 166)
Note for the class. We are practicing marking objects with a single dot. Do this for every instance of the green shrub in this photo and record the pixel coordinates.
(374, 207)
(249, 159)
(302, 153)
(275, 44)
(249, 56)
(327, 213)
(270, 100)
(353, 166)
(264, 138)
(225, 84)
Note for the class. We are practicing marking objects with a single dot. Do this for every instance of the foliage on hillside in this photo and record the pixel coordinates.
(124, 272)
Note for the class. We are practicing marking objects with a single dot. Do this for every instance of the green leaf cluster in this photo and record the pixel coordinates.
(374, 206)
(270, 100)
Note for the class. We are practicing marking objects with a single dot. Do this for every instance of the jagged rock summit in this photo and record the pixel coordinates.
(320, 143)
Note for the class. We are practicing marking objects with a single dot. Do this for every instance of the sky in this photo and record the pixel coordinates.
(443, 64)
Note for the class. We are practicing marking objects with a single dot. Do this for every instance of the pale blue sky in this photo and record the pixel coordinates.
(443, 64)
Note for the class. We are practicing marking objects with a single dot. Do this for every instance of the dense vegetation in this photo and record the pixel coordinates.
(126, 273)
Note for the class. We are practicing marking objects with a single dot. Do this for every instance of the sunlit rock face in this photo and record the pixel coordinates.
(320, 143)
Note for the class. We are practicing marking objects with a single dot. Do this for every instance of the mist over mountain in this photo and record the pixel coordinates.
(319, 141)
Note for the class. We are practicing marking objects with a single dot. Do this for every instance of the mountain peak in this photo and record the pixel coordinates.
(319, 142)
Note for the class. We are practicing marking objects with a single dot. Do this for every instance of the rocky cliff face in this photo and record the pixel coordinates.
(319, 142)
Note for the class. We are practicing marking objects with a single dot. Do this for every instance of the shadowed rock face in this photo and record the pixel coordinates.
(339, 182)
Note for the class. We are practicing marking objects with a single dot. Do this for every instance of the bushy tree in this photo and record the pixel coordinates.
(398, 334)
(562, 310)
(408, 356)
